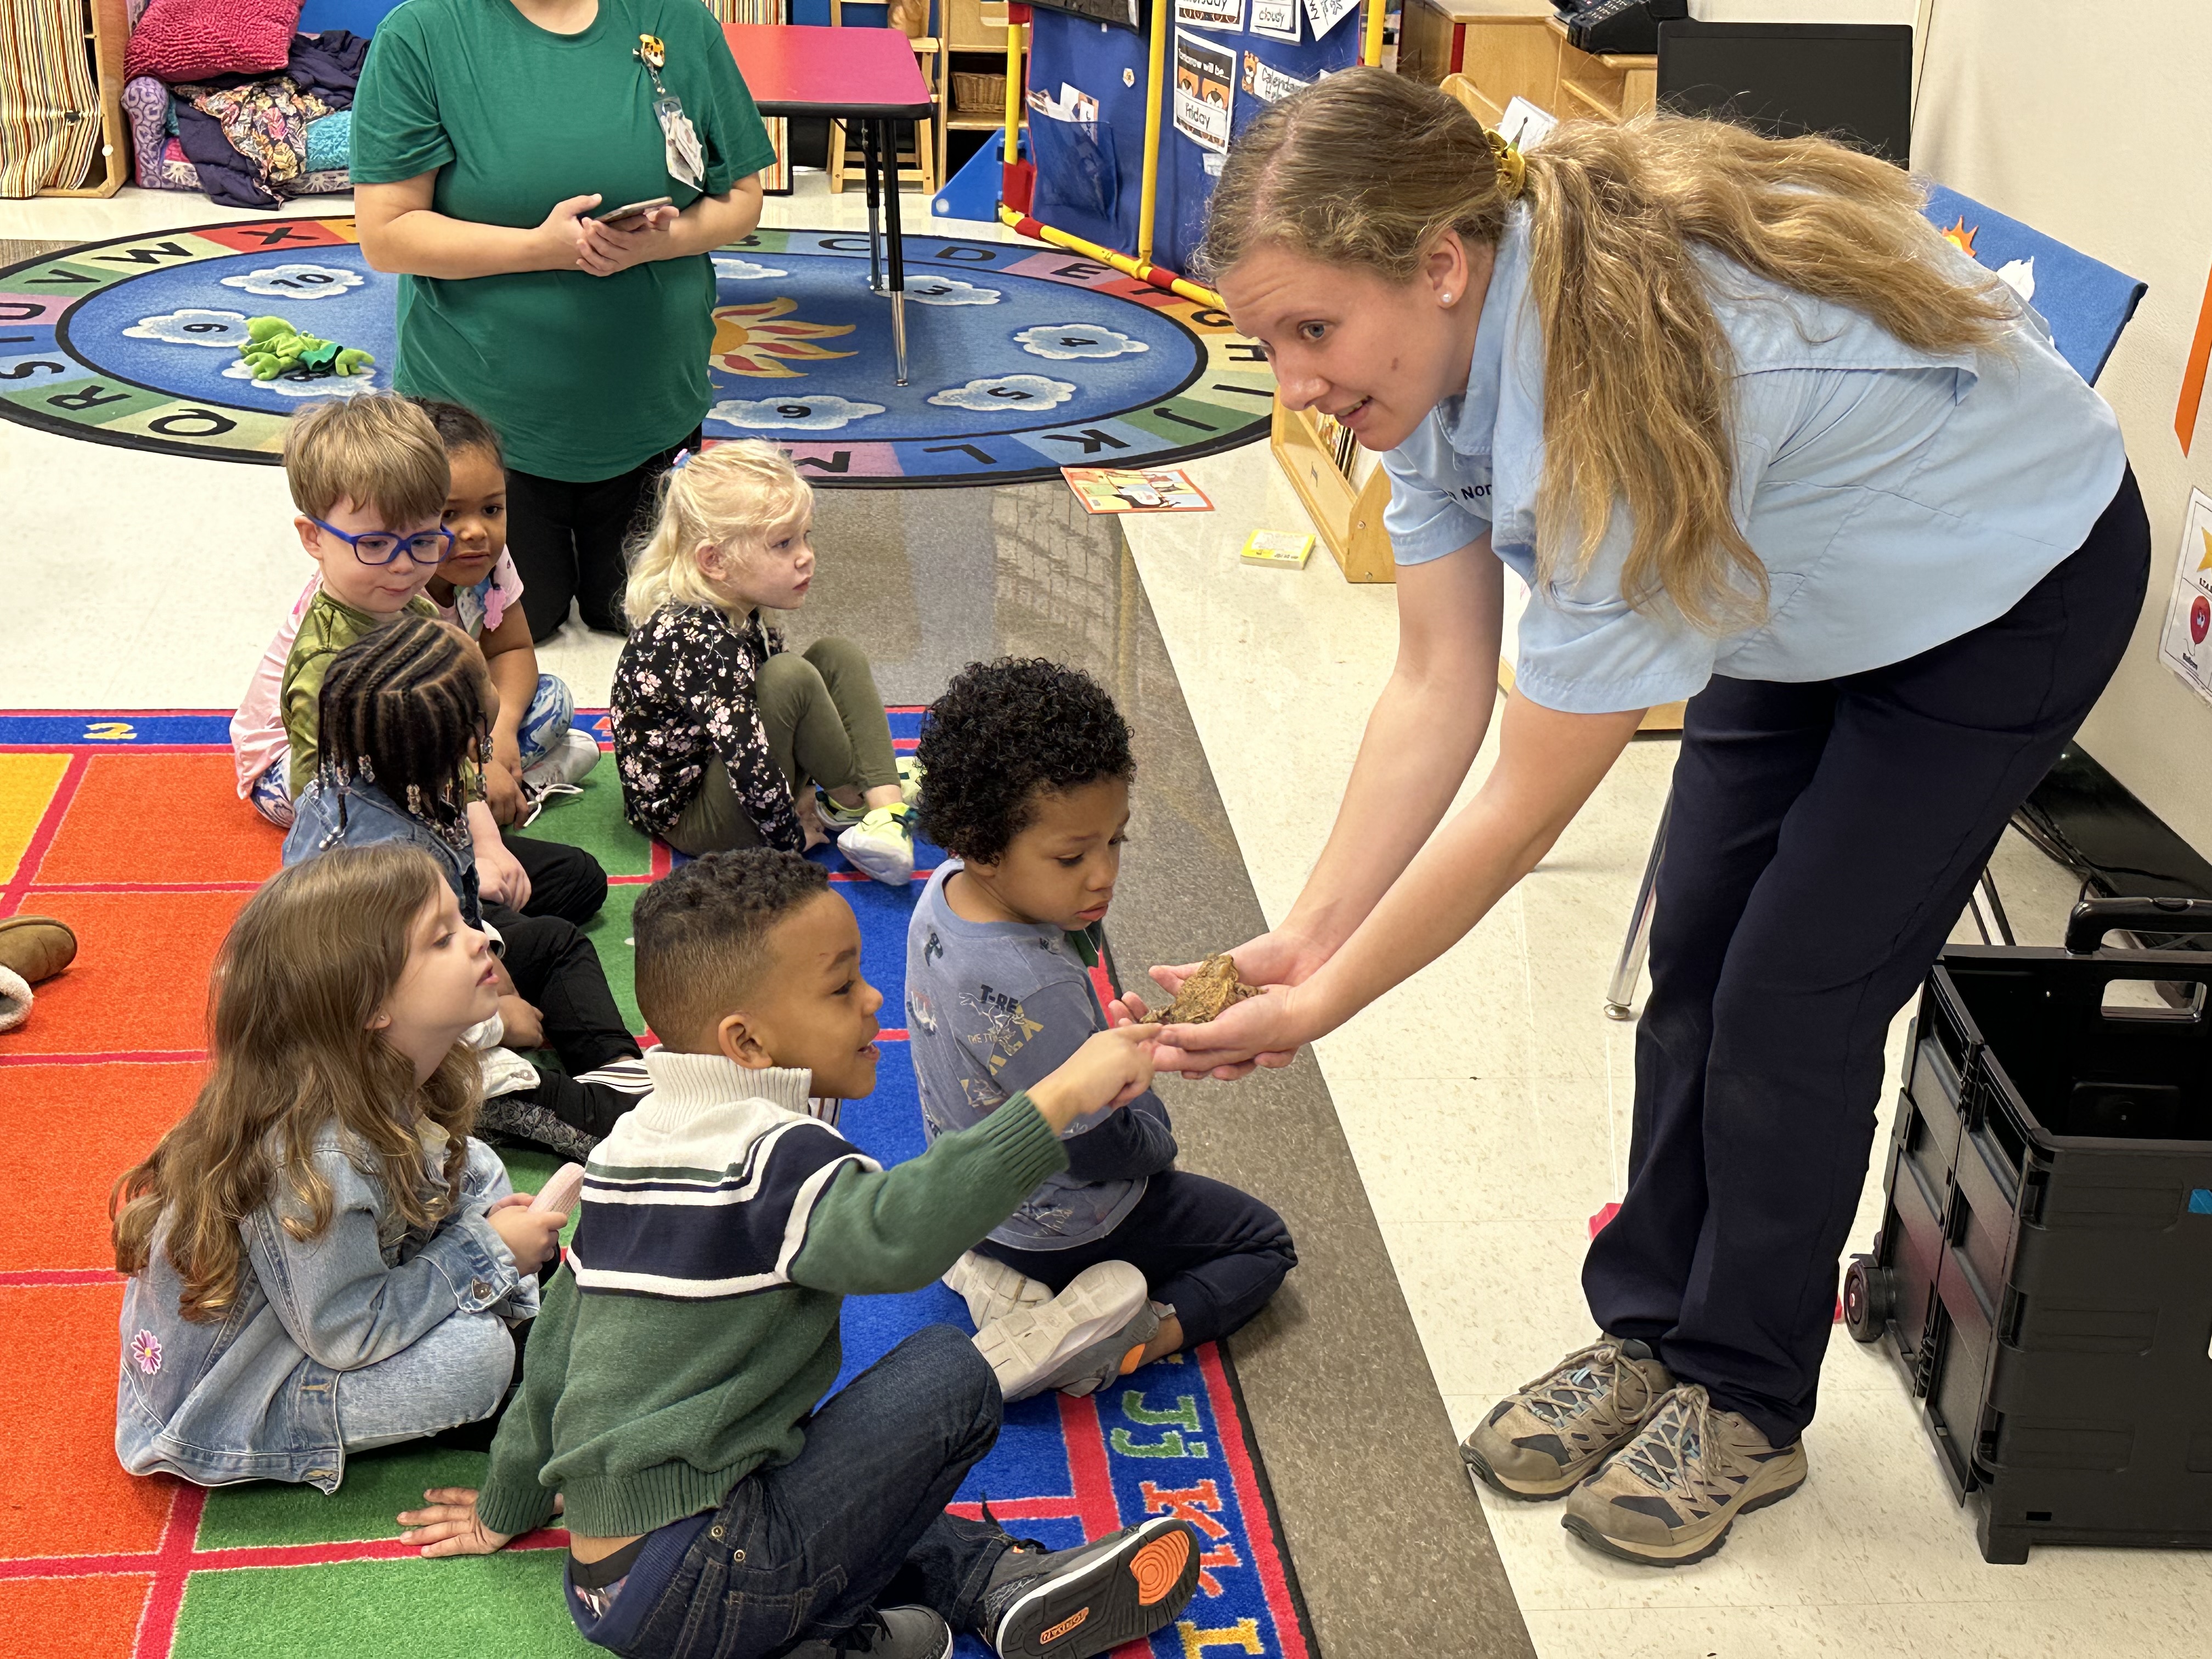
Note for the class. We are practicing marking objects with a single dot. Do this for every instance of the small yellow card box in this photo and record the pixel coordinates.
(1281, 549)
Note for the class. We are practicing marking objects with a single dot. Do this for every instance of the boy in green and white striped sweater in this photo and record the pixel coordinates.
(669, 1404)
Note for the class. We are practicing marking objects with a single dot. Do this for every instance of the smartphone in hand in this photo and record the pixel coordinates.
(631, 210)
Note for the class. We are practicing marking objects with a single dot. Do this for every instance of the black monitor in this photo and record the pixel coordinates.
(1851, 82)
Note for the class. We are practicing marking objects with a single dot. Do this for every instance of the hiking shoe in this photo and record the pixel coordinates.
(1078, 1341)
(569, 761)
(1669, 1495)
(891, 1634)
(1545, 1440)
(992, 1289)
(882, 845)
(1070, 1604)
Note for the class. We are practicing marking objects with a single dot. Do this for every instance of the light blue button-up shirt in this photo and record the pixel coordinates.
(1899, 498)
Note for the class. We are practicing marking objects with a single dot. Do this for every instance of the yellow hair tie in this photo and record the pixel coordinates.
(1512, 166)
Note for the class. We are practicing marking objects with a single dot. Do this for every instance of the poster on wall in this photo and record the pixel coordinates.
(1277, 20)
(1205, 78)
(1525, 126)
(2183, 646)
(1326, 15)
(1209, 14)
(1266, 82)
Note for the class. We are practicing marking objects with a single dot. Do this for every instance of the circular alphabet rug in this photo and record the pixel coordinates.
(1022, 358)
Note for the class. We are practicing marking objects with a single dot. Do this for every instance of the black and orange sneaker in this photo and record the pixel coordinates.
(1069, 1604)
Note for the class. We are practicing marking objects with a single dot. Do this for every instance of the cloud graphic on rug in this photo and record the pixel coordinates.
(998, 392)
(297, 282)
(224, 329)
(2020, 276)
(322, 386)
(792, 414)
(729, 268)
(949, 291)
(1066, 342)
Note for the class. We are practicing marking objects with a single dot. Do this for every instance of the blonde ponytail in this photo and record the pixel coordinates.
(729, 496)
(1637, 371)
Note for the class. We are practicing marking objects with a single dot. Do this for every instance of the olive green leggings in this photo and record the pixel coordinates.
(825, 725)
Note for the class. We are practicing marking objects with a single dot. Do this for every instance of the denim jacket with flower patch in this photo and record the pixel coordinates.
(253, 1396)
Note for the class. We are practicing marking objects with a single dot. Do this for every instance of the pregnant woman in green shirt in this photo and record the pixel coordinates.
(486, 135)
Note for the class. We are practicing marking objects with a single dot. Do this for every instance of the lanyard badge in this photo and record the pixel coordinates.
(679, 138)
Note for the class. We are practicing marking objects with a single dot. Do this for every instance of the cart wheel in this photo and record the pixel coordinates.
(1868, 1297)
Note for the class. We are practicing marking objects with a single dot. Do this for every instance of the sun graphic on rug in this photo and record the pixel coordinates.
(1961, 237)
(748, 340)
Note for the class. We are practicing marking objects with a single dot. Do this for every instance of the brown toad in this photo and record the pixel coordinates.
(1212, 988)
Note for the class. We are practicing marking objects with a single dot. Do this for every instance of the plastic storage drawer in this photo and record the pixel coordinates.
(2043, 1271)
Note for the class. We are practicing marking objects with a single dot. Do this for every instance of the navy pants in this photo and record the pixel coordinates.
(1826, 838)
(1213, 1253)
(856, 1521)
(569, 541)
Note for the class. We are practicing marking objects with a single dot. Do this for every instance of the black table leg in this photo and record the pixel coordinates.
(870, 159)
(895, 246)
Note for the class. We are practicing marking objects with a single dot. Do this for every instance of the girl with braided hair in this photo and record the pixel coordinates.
(404, 716)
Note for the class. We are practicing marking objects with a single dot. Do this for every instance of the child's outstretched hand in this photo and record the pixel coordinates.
(1128, 1009)
(448, 1525)
(1111, 1068)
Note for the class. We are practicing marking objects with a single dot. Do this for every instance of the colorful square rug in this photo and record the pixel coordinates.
(129, 828)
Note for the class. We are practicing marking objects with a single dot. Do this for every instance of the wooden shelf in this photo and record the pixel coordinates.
(1348, 516)
(1495, 59)
(107, 37)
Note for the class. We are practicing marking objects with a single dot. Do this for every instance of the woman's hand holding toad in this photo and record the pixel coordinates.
(604, 249)
(1262, 1031)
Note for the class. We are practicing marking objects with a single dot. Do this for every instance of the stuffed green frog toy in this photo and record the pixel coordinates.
(274, 347)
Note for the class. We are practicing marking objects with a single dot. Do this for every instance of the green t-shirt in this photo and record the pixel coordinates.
(326, 628)
(583, 377)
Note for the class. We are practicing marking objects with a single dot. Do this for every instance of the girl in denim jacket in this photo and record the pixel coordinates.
(322, 1261)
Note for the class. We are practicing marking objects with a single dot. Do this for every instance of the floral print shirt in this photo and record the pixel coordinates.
(684, 695)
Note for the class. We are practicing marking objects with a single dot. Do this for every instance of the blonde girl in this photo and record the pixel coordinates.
(718, 730)
(321, 1260)
(1755, 436)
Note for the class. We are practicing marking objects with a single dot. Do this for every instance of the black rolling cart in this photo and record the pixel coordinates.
(2043, 1271)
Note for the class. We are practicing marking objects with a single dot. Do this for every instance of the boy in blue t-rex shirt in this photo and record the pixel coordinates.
(1122, 1257)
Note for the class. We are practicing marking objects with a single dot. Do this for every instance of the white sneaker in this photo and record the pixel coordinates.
(570, 761)
(882, 846)
(910, 774)
(991, 1289)
(1080, 1336)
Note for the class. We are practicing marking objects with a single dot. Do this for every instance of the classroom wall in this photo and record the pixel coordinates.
(1805, 11)
(2094, 124)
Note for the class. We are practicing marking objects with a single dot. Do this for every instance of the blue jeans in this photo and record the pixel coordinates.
(456, 1372)
(855, 1522)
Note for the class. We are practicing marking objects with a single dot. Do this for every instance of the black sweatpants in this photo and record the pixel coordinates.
(1213, 1253)
(1825, 840)
(557, 972)
(565, 881)
(568, 540)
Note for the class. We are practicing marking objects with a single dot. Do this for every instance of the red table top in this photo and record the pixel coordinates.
(802, 69)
